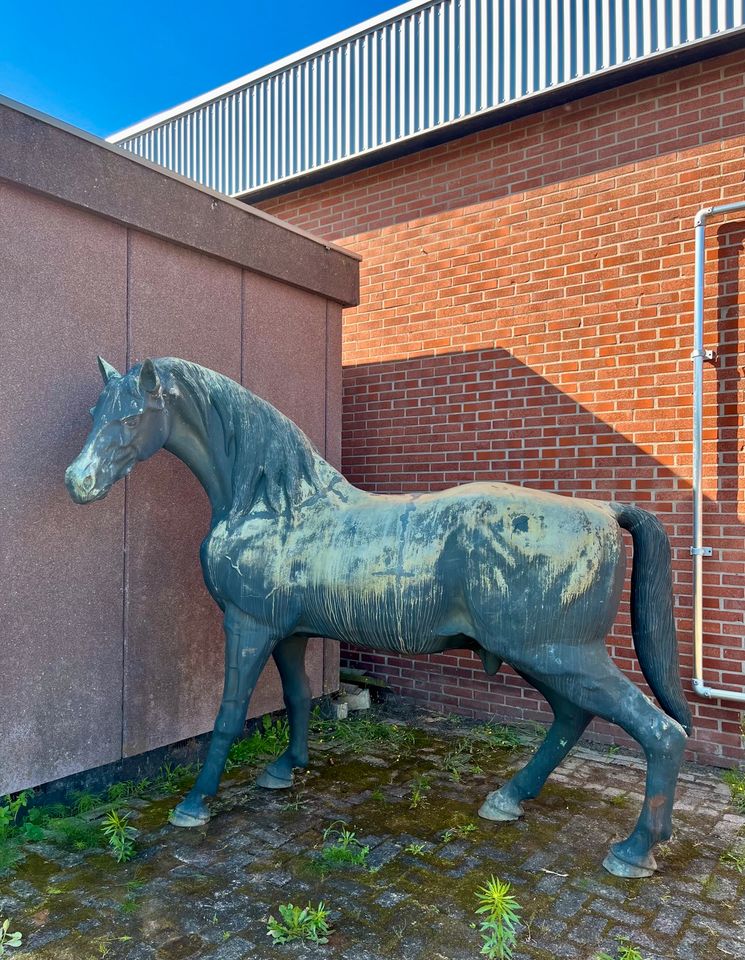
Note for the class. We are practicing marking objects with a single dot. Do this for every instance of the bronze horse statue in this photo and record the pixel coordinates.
(294, 551)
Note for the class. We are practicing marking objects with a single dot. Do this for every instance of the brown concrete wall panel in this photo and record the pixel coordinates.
(182, 304)
(284, 351)
(334, 387)
(62, 300)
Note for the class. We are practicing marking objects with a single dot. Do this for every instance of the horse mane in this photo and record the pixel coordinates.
(271, 457)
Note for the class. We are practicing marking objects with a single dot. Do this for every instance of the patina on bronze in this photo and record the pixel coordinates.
(294, 550)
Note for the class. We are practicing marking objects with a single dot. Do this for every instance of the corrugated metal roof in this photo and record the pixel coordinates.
(420, 68)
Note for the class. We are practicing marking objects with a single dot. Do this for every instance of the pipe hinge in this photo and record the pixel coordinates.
(701, 551)
(708, 356)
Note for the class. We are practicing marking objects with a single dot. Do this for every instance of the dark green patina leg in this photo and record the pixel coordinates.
(568, 726)
(590, 680)
(247, 649)
(289, 656)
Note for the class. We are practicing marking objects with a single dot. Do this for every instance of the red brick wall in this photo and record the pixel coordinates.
(526, 316)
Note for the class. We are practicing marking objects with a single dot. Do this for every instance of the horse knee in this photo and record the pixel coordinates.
(229, 724)
(669, 737)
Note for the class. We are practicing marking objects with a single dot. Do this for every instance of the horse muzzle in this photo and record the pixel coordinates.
(81, 485)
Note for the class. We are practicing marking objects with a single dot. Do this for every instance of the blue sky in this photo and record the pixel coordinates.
(104, 65)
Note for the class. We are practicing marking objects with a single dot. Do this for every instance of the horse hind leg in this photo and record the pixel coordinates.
(289, 655)
(594, 683)
(569, 724)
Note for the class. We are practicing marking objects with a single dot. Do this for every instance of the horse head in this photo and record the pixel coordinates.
(130, 422)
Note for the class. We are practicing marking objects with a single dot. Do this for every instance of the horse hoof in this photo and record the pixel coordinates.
(180, 818)
(268, 781)
(500, 808)
(629, 871)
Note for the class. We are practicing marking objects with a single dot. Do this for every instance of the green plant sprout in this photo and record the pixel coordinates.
(735, 857)
(120, 835)
(300, 923)
(361, 732)
(459, 832)
(266, 742)
(416, 849)
(499, 911)
(625, 952)
(498, 735)
(344, 849)
(171, 777)
(419, 791)
(10, 808)
(460, 760)
(8, 940)
(735, 780)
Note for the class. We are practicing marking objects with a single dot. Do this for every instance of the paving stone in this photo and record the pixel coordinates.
(235, 949)
(208, 894)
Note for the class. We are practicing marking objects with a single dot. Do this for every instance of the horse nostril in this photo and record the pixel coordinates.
(87, 483)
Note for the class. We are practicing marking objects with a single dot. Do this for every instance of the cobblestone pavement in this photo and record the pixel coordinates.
(207, 893)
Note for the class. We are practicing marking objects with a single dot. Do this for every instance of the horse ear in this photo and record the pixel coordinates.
(149, 380)
(107, 371)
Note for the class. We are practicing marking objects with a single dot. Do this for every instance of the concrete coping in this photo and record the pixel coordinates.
(61, 161)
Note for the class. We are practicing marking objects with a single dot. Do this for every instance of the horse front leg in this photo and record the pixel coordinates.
(247, 649)
(289, 655)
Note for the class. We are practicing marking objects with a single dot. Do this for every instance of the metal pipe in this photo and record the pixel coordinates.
(700, 356)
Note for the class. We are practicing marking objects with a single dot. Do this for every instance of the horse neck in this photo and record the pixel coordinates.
(217, 447)
(206, 448)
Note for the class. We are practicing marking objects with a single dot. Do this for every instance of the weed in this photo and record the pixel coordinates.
(9, 855)
(613, 749)
(300, 923)
(103, 944)
(460, 760)
(416, 849)
(736, 857)
(343, 848)
(83, 802)
(625, 952)
(497, 735)
(10, 808)
(361, 732)
(7, 939)
(126, 789)
(499, 911)
(619, 800)
(418, 795)
(735, 779)
(171, 777)
(459, 832)
(71, 833)
(377, 794)
(266, 742)
(117, 830)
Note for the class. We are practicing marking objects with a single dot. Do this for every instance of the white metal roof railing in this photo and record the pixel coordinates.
(417, 68)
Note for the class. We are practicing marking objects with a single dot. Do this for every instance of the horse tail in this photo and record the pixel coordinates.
(652, 621)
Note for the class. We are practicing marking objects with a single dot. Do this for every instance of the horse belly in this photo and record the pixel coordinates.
(384, 612)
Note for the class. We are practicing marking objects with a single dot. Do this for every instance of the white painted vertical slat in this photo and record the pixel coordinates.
(372, 87)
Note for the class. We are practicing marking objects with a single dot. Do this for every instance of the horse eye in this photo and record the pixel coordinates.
(130, 421)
